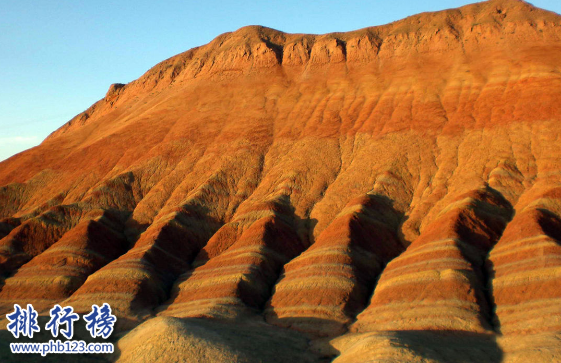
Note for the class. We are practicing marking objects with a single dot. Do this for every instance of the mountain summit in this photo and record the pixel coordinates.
(387, 194)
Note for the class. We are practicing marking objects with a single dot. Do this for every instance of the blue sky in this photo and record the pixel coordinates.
(59, 57)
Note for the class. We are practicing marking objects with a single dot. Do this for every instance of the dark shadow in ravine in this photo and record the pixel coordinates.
(7, 225)
(175, 247)
(283, 237)
(366, 238)
(375, 229)
(100, 242)
(493, 220)
(549, 223)
(303, 228)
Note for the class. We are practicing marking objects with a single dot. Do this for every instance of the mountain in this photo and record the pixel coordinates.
(391, 194)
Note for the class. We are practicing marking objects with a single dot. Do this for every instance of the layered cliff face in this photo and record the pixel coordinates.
(385, 194)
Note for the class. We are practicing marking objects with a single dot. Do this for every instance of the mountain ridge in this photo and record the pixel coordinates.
(376, 193)
(263, 34)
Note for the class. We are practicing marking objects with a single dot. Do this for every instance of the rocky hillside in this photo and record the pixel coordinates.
(391, 194)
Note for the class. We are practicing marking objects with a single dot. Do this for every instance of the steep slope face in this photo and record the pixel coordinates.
(323, 289)
(437, 283)
(525, 266)
(396, 186)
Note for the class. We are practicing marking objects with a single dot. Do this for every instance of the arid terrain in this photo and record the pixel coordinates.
(391, 194)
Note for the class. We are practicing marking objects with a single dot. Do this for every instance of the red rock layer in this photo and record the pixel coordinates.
(526, 274)
(437, 283)
(62, 268)
(324, 288)
(140, 279)
(35, 235)
(427, 96)
(420, 111)
(239, 278)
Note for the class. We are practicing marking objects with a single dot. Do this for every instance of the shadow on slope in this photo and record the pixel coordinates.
(168, 339)
(415, 346)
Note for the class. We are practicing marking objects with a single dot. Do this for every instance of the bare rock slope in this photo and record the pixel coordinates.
(388, 194)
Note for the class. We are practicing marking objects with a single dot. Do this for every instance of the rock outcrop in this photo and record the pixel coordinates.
(387, 194)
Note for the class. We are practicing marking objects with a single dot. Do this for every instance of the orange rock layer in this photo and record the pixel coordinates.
(392, 188)
(438, 282)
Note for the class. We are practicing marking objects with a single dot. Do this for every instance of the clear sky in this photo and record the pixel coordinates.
(59, 57)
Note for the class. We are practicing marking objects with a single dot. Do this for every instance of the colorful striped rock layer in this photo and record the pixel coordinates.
(391, 194)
